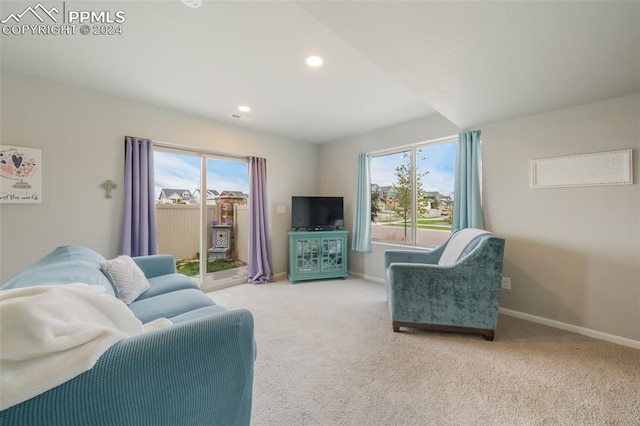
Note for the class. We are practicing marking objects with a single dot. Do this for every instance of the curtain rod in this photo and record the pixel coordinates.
(196, 150)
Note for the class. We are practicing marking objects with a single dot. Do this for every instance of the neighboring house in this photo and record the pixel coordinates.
(435, 200)
(387, 190)
(446, 202)
(233, 194)
(212, 196)
(438, 201)
(432, 199)
(175, 196)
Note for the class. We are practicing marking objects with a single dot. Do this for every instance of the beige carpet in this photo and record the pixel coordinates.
(327, 356)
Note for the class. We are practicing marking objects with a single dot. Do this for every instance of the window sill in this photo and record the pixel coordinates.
(401, 246)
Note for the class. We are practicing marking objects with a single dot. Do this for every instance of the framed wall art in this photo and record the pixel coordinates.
(594, 169)
(20, 175)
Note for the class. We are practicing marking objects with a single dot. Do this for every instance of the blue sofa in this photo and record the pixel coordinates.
(198, 371)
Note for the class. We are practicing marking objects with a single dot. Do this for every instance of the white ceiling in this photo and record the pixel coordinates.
(385, 61)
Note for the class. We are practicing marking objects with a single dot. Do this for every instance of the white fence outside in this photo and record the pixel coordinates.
(179, 229)
(241, 231)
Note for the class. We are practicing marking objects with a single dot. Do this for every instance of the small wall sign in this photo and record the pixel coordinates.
(20, 175)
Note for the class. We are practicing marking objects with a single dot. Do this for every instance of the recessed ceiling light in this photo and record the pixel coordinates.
(244, 108)
(314, 61)
(192, 3)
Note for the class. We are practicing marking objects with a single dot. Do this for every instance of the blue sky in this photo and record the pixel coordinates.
(179, 171)
(438, 159)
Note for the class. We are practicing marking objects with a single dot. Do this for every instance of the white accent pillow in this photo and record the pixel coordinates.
(127, 277)
(456, 245)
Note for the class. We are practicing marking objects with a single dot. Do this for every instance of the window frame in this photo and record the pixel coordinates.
(413, 148)
(203, 155)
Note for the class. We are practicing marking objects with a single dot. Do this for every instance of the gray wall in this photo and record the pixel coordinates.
(573, 254)
(81, 135)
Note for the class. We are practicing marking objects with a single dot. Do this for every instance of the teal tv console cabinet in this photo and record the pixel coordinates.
(317, 255)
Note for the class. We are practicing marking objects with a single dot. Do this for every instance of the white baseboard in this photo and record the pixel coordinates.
(573, 328)
(366, 277)
(280, 276)
(545, 321)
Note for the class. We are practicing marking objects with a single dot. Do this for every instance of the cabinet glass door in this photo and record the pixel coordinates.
(331, 254)
(307, 256)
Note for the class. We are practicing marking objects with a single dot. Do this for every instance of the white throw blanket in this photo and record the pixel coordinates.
(456, 245)
(50, 334)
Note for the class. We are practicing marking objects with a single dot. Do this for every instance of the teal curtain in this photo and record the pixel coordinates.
(362, 214)
(467, 203)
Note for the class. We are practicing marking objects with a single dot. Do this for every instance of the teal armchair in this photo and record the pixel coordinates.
(455, 287)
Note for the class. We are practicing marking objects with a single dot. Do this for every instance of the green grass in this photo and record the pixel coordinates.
(437, 227)
(441, 224)
(193, 268)
(432, 220)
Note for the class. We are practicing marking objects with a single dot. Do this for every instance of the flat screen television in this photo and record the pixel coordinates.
(317, 213)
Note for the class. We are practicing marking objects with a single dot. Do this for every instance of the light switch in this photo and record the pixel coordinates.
(281, 209)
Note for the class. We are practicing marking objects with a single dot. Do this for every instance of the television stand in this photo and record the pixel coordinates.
(317, 255)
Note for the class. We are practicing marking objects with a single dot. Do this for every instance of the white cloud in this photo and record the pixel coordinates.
(439, 162)
(171, 171)
(183, 172)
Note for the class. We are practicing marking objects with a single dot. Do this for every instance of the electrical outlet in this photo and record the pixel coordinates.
(506, 283)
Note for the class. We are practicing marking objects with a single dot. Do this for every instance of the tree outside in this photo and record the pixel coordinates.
(402, 205)
(377, 197)
(391, 195)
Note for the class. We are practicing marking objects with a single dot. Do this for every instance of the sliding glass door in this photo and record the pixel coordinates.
(227, 221)
(206, 230)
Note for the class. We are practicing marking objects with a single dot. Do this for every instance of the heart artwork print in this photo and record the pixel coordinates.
(20, 174)
(17, 165)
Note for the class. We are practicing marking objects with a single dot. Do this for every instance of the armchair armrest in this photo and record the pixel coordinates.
(156, 265)
(196, 372)
(411, 256)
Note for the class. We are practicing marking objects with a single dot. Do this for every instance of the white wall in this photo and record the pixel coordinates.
(573, 254)
(81, 135)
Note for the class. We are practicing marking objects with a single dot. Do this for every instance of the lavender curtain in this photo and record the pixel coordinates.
(139, 232)
(260, 269)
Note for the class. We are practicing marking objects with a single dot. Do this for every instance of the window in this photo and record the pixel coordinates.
(412, 193)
